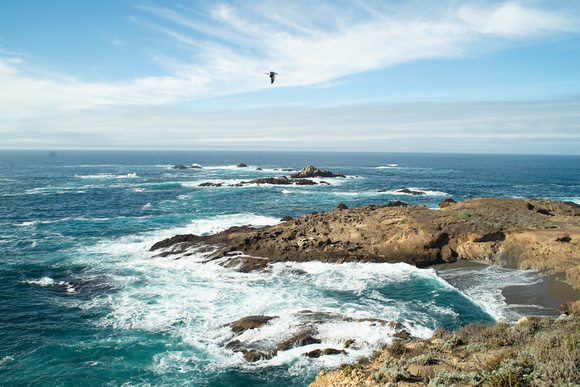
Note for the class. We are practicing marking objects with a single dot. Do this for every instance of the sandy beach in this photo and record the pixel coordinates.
(545, 296)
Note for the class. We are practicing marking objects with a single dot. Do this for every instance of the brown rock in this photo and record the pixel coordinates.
(410, 192)
(570, 308)
(299, 340)
(447, 202)
(253, 355)
(573, 275)
(250, 322)
(328, 351)
(402, 334)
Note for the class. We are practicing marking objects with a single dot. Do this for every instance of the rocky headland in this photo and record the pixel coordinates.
(534, 234)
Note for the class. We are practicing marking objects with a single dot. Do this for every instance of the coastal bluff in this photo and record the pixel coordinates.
(536, 234)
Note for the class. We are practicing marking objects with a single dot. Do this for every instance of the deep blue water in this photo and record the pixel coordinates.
(83, 301)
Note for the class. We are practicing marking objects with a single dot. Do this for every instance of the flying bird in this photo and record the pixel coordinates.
(272, 76)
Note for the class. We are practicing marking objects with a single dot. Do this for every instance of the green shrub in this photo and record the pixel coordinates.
(392, 373)
(346, 371)
(397, 349)
(513, 373)
(446, 378)
(453, 342)
(428, 359)
(476, 347)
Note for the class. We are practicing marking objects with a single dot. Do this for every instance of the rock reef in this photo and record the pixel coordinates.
(304, 335)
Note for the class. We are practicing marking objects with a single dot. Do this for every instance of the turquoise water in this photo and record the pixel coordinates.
(83, 301)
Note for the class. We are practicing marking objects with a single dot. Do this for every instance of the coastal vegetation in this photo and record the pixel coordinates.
(533, 352)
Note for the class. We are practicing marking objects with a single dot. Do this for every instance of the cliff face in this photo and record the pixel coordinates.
(527, 234)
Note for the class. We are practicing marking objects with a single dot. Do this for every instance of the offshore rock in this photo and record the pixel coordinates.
(282, 180)
(193, 166)
(410, 192)
(311, 171)
(515, 233)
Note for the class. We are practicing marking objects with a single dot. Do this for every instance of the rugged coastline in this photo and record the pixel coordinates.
(538, 234)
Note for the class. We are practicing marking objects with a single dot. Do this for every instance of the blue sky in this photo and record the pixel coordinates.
(412, 76)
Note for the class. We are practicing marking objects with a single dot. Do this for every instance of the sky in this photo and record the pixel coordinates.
(444, 76)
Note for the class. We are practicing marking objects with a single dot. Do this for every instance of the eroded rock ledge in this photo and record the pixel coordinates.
(526, 234)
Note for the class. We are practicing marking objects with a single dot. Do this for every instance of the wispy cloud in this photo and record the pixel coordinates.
(309, 43)
(315, 43)
(515, 20)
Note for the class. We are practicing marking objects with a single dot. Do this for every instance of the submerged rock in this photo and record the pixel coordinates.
(410, 192)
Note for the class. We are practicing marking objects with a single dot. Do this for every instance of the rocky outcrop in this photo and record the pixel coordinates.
(527, 234)
(569, 308)
(311, 171)
(282, 180)
(250, 322)
(447, 202)
(193, 166)
(410, 192)
(303, 333)
(241, 165)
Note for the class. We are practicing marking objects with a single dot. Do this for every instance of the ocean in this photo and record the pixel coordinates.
(85, 302)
